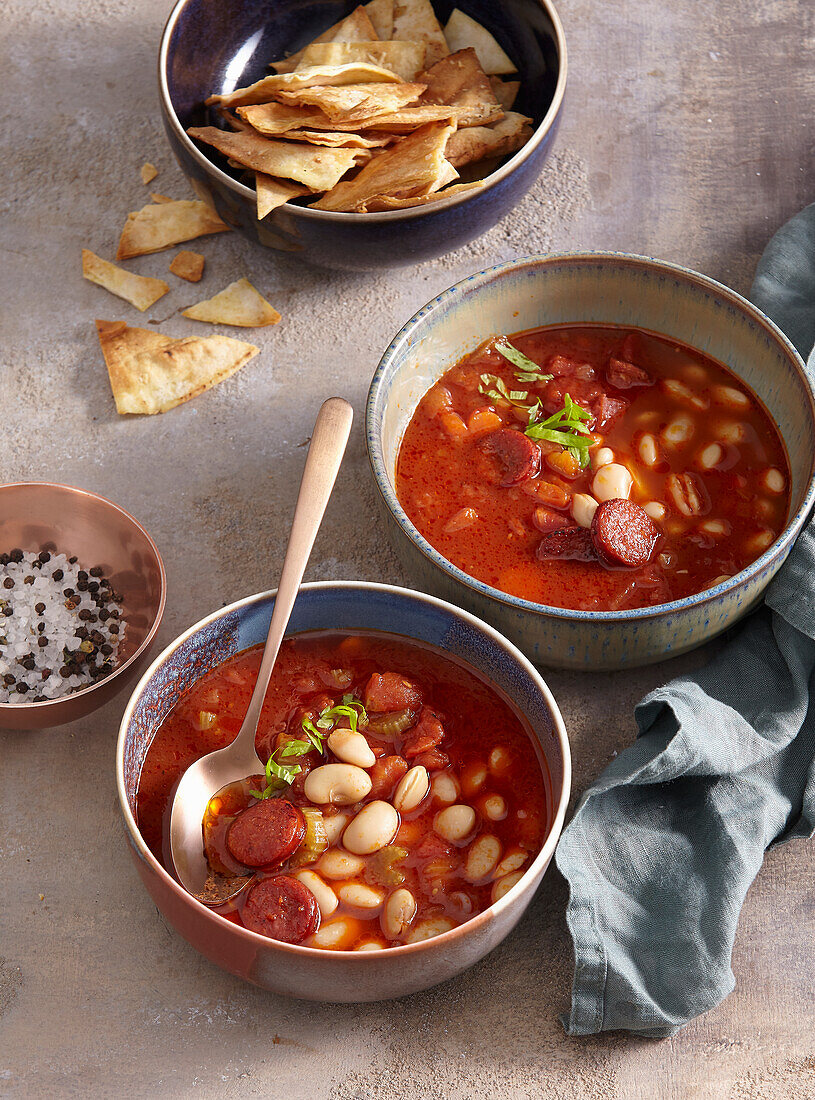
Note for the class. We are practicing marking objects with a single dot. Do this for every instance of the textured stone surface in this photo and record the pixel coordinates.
(687, 135)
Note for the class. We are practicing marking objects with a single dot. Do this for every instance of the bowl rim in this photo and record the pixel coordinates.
(46, 704)
(539, 863)
(540, 133)
(402, 341)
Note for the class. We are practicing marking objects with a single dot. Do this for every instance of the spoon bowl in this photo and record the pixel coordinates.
(203, 779)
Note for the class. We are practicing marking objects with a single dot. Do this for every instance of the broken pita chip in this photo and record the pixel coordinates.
(407, 168)
(151, 373)
(342, 139)
(319, 169)
(415, 21)
(391, 202)
(272, 193)
(505, 91)
(161, 225)
(324, 76)
(459, 81)
(462, 31)
(140, 290)
(238, 304)
(156, 197)
(502, 137)
(148, 172)
(280, 119)
(357, 100)
(405, 59)
(356, 27)
(188, 265)
(380, 12)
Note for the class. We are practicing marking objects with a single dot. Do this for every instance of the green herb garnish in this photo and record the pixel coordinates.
(496, 389)
(280, 775)
(527, 370)
(567, 428)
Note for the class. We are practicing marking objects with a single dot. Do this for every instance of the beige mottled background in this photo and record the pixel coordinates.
(688, 134)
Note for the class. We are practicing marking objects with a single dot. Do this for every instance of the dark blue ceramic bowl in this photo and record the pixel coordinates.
(214, 46)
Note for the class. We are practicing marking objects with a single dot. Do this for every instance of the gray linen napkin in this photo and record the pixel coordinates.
(663, 847)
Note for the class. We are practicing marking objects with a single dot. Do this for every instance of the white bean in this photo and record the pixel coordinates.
(695, 372)
(445, 788)
(339, 865)
(602, 457)
(612, 482)
(426, 929)
(455, 823)
(463, 902)
(473, 778)
(679, 430)
(326, 898)
(503, 885)
(774, 480)
(334, 826)
(655, 509)
(360, 896)
(482, 857)
(374, 826)
(648, 450)
(411, 790)
(760, 542)
(399, 911)
(583, 509)
(335, 934)
(351, 748)
(370, 945)
(719, 580)
(680, 392)
(727, 395)
(342, 784)
(500, 760)
(512, 861)
(686, 494)
(710, 456)
(718, 528)
(494, 807)
(731, 432)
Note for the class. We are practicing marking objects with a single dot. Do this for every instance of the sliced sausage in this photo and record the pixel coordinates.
(266, 833)
(281, 908)
(517, 456)
(426, 734)
(623, 375)
(390, 691)
(623, 533)
(385, 774)
(606, 411)
(574, 543)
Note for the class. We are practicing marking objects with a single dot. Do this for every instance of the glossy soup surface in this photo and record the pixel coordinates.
(701, 454)
(483, 760)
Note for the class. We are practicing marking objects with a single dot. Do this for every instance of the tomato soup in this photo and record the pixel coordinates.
(402, 794)
(594, 468)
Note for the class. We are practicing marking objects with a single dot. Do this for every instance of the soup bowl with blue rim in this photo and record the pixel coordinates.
(340, 607)
(214, 46)
(601, 289)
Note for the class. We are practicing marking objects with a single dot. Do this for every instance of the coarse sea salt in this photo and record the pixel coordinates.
(60, 626)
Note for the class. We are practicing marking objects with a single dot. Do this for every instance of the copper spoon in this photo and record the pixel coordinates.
(238, 760)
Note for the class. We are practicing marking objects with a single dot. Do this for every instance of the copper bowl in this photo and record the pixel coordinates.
(38, 515)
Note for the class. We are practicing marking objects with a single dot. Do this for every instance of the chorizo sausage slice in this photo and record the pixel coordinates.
(281, 908)
(623, 375)
(574, 543)
(425, 735)
(266, 833)
(517, 456)
(623, 533)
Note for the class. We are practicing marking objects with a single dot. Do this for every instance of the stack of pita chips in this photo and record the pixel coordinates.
(379, 112)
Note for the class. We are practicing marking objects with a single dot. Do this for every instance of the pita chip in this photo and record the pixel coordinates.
(272, 193)
(459, 81)
(237, 304)
(319, 169)
(188, 265)
(462, 31)
(148, 172)
(161, 225)
(390, 202)
(140, 290)
(356, 27)
(357, 101)
(502, 137)
(415, 21)
(505, 91)
(155, 196)
(380, 12)
(151, 373)
(406, 59)
(408, 168)
(328, 76)
(279, 119)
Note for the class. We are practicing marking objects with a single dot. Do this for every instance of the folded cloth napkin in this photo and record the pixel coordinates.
(663, 847)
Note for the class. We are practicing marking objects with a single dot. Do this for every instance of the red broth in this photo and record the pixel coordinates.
(707, 468)
(485, 760)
